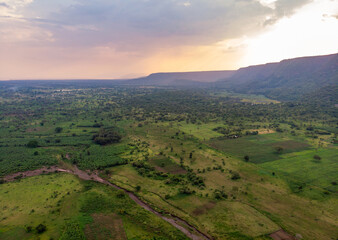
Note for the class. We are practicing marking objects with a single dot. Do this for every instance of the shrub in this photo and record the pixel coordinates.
(279, 150)
(185, 190)
(28, 229)
(246, 158)
(235, 176)
(33, 144)
(220, 194)
(41, 228)
(58, 129)
(120, 194)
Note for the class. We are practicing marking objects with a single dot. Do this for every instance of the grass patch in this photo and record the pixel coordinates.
(304, 173)
(165, 164)
(260, 149)
(51, 199)
(202, 132)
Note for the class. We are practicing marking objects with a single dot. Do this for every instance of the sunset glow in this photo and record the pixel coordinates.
(106, 39)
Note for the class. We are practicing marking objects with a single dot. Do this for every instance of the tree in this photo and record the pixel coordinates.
(246, 158)
(32, 144)
(41, 228)
(58, 129)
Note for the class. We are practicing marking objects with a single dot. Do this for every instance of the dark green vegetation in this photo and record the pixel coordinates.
(235, 166)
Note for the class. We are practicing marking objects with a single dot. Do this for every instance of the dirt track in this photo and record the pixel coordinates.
(177, 222)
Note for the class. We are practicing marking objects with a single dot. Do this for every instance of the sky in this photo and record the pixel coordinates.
(105, 39)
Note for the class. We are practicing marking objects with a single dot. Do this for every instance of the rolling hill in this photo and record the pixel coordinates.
(285, 80)
(181, 78)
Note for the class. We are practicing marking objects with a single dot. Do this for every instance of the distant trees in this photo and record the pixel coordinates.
(107, 136)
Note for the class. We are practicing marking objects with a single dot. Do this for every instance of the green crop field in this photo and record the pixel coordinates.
(21, 159)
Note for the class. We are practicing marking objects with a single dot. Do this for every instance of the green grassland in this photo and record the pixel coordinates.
(48, 200)
(307, 175)
(260, 148)
(201, 131)
(251, 98)
(249, 211)
(61, 200)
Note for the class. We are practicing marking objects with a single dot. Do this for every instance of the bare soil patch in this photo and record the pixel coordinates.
(105, 227)
(263, 131)
(18, 175)
(281, 235)
(204, 208)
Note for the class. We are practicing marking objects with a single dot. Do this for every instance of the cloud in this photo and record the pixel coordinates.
(330, 16)
(79, 38)
(284, 8)
(129, 24)
(4, 5)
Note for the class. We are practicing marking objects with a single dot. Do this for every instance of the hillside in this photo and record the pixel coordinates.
(181, 78)
(286, 80)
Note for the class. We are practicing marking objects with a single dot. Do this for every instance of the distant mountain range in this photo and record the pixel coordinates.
(286, 80)
(181, 78)
(291, 79)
